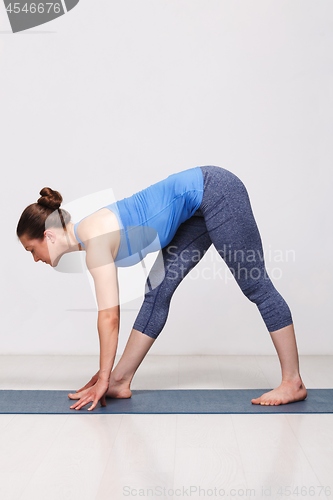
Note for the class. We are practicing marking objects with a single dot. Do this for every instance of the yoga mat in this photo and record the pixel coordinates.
(179, 401)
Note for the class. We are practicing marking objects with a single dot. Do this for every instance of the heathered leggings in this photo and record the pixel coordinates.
(224, 219)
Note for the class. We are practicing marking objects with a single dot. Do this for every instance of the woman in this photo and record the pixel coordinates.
(184, 214)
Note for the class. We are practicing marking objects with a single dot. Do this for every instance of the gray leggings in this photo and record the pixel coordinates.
(224, 219)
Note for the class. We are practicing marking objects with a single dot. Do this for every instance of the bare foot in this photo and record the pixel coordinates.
(287, 392)
(119, 390)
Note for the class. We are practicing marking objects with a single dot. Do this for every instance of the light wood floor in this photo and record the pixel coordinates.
(104, 457)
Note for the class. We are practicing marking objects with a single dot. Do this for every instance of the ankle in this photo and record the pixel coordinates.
(292, 380)
(118, 378)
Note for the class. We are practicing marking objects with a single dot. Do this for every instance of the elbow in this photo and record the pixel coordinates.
(110, 316)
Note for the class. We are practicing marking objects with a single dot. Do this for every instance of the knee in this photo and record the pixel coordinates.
(268, 300)
(260, 291)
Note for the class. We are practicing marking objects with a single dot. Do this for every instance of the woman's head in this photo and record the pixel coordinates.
(40, 222)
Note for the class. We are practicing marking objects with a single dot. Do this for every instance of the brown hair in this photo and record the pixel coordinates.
(33, 218)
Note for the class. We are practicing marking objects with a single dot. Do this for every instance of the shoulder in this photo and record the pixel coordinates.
(100, 227)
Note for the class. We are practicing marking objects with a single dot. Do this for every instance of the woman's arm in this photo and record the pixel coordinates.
(104, 272)
(108, 330)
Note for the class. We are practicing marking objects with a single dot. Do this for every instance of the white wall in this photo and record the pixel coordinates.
(121, 94)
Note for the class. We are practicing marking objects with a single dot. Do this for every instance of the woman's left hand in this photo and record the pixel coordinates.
(92, 394)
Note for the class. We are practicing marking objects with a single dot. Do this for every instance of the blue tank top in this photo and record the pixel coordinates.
(149, 219)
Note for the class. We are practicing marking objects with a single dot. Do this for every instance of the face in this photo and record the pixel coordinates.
(39, 249)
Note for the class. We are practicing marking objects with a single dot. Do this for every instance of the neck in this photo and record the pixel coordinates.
(73, 244)
(66, 243)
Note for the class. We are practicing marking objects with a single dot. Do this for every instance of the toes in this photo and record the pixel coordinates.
(266, 401)
(272, 402)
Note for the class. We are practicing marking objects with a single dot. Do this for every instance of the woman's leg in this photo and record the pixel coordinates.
(182, 254)
(233, 230)
(291, 388)
(135, 350)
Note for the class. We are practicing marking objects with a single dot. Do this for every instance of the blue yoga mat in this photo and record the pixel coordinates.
(164, 402)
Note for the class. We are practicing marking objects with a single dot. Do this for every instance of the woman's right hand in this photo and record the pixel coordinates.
(91, 382)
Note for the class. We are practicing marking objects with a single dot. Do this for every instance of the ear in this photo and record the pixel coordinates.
(50, 235)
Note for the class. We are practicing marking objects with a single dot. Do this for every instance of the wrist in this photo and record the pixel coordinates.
(104, 380)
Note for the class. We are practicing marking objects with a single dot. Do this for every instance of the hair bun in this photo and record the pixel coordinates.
(49, 198)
